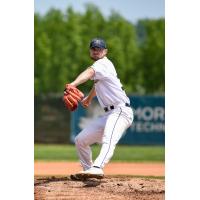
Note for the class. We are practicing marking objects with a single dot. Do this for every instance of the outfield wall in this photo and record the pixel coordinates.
(53, 123)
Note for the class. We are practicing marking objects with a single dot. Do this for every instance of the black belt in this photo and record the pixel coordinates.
(113, 107)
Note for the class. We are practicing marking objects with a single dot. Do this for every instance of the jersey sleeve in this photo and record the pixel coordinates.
(100, 72)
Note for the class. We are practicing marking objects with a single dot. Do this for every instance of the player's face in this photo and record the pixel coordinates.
(97, 53)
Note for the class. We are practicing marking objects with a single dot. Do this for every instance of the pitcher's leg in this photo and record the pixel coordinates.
(116, 124)
(89, 135)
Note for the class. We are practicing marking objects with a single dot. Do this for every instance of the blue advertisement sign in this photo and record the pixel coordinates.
(148, 126)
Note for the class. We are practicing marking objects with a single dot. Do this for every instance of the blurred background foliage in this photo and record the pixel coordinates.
(61, 49)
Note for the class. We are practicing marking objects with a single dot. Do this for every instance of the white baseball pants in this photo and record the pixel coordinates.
(107, 130)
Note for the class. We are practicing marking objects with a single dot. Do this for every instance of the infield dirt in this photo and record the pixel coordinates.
(113, 168)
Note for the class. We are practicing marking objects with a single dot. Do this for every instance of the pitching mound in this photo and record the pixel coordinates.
(118, 188)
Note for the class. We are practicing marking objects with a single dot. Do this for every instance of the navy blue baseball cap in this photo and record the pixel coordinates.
(98, 42)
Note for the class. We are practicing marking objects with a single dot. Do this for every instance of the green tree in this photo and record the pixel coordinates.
(61, 46)
(152, 60)
(42, 55)
(54, 27)
(123, 49)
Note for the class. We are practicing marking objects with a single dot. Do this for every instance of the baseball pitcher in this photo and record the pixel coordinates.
(107, 129)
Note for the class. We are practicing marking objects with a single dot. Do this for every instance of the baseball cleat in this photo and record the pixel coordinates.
(93, 172)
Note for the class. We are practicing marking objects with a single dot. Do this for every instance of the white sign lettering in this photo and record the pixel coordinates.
(149, 114)
(148, 127)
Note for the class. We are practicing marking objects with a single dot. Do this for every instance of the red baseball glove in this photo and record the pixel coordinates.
(72, 96)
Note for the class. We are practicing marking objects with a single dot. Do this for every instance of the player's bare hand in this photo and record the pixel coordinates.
(86, 102)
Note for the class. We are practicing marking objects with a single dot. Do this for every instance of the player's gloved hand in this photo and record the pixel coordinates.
(72, 96)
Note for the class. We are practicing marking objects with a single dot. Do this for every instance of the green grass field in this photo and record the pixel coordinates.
(122, 153)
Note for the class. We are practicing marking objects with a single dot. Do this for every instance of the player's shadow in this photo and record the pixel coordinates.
(92, 183)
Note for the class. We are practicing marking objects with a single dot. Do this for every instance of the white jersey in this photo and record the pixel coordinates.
(107, 129)
(107, 85)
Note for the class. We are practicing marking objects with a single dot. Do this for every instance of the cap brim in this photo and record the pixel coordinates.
(97, 46)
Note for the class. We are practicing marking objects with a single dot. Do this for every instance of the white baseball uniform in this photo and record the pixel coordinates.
(109, 128)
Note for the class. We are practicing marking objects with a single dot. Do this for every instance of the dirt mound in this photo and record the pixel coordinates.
(111, 187)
